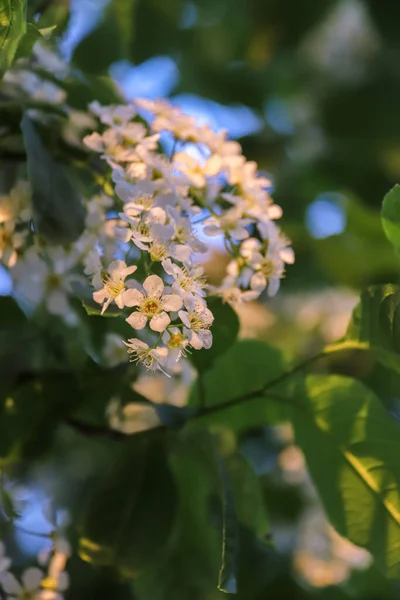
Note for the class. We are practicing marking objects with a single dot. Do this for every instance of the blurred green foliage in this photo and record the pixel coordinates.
(323, 78)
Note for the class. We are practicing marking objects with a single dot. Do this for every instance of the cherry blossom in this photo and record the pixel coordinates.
(152, 305)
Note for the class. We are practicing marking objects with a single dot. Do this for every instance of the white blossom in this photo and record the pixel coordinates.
(46, 279)
(188, 279)
(197, 319)
(114, 116)
(113, 289)
(151, 358)
(195, 172)
(167, 205)
(230, 223)
(152, 305)
(175, 341)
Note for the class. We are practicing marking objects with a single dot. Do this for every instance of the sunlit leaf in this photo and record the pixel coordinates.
(375, 326)
(12, 28)
(351, 447)
(28, 40)
(243, 370)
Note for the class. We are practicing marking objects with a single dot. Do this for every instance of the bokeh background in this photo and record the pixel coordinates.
(311, 88)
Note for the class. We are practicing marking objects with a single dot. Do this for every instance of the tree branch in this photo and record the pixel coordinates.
(204, 411)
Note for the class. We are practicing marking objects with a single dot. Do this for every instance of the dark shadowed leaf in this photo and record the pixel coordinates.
(108, 42)
(375, 326)
(189, 566)
(129, 516)
(57, 208)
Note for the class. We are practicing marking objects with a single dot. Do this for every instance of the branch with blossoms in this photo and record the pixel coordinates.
(178, 184)
(113, 210)
(128, 238)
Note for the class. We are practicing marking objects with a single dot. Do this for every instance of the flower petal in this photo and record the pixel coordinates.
(154, 286)
(239, 233)
(5, 563)
(181, 252)
(184, 317)
(136, 417)
(273, 287)
(287, 255)
(63, 581)
(195, 341)
(137, 320)
(212, 229)
(258, 282)
(57, 303)
(128, 271)
(206, 337)
(168, 266)
(116, 265)
(136, 344)
(10, 584)
(100, 296)
(160, 322)
(31, 578)
(119, 301)
(132, 297)
(274, 211)
(171, 302)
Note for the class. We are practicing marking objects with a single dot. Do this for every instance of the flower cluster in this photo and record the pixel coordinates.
(170, 188)
(177, 185)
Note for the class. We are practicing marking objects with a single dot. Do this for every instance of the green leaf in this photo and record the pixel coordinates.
(21, 347)
(105, 45)
(352, 447)
(245, 368)
(124, 10)
(249, 501)
(225, 330)
(375, 326)
(83, 90)
(130, 514)
(12, 28)
(391, 216)
(28, 40)
(227, 578)
(189, 566)
(55, 15)
(58, 214)
(361, 253)
(29, 411)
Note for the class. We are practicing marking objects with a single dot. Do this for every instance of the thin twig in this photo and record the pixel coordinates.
(103, 431)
